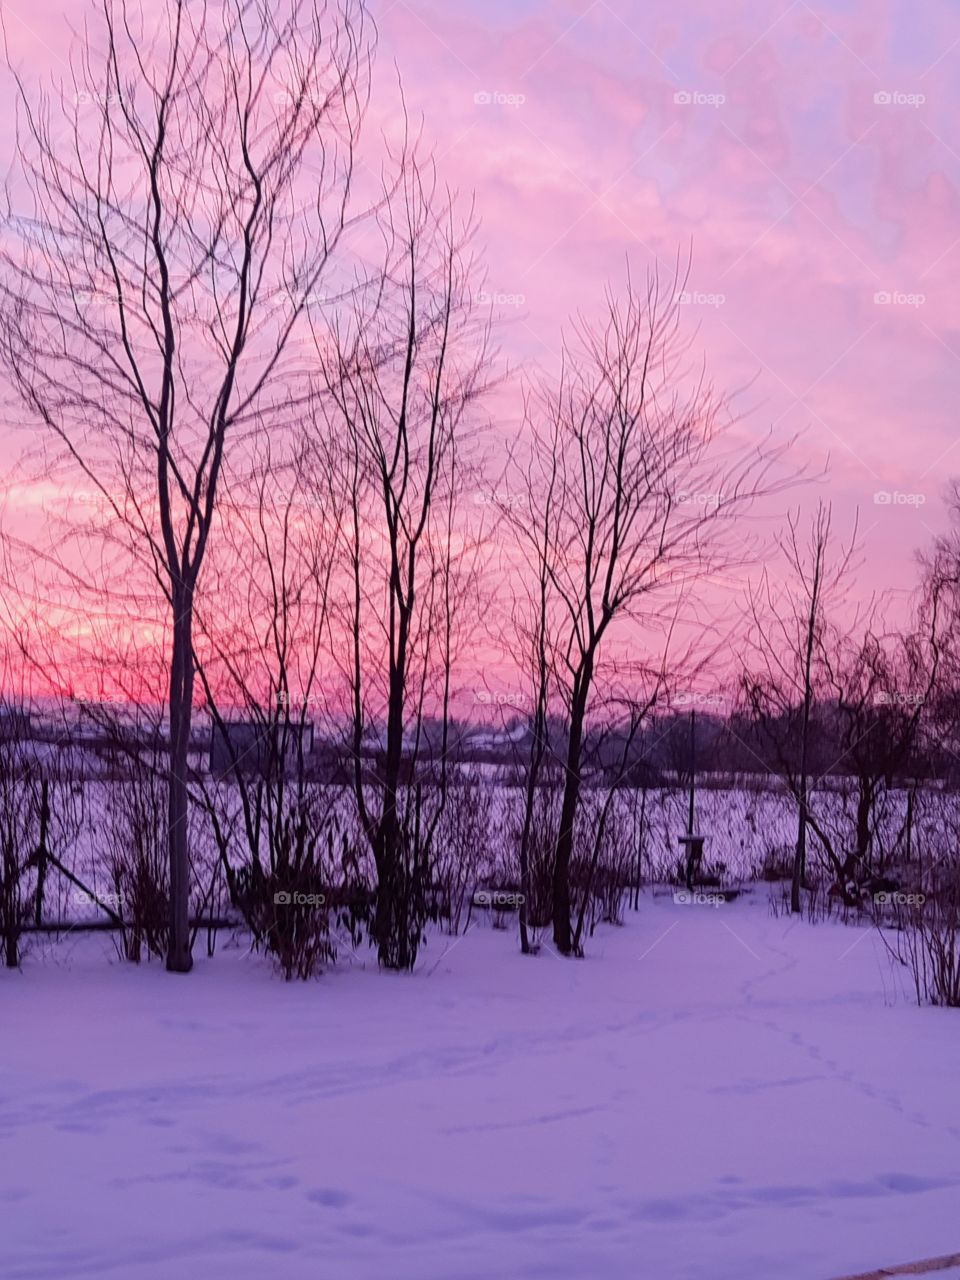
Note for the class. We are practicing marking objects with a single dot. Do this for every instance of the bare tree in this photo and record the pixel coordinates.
(941, 598)
(627, 451)
(403, 378)
(262, 653)
(834, 692)
(789, 621)
(529, 626)
(185, 191)
(879, 686)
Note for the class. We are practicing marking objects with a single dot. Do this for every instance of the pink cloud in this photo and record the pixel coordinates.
(803, 197)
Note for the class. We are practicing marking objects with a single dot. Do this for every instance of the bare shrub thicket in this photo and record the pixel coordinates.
(918, 912)
(928, 938)
(867, 729)
(20, 807)
(542, 837)
(135, 850)
(605, 865)
(294, 898)
(288, 855)
(462, 852)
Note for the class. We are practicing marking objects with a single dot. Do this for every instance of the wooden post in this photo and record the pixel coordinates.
(42, 849)
(693, 771)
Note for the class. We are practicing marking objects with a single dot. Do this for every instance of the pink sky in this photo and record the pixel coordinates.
(803, 197)
(591, 132)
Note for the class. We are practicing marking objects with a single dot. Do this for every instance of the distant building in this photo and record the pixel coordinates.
(254, 747)
(16, 724)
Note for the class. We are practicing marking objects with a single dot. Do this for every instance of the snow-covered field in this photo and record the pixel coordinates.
(746, 826)
(713, 1094)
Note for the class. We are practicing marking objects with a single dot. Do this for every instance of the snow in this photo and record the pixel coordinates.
(712, 1094)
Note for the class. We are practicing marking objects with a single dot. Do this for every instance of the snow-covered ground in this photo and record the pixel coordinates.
(745, 826)
(713, 1094)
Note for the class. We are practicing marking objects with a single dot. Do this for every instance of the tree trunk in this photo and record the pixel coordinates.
(9, 907)
(864, 807)
(562, 935)
(42, 849)
(524, 890)
(179, 958)
(389, 923)
(529, 802)
(391, 920)
(588, 887)
(800, 855)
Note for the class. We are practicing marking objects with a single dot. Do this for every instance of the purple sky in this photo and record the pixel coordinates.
(808, 152)
(804, 194)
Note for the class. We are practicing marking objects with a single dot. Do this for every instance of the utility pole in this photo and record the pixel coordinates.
(692, 843)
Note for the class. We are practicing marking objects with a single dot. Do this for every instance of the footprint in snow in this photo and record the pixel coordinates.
(329, 1197)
